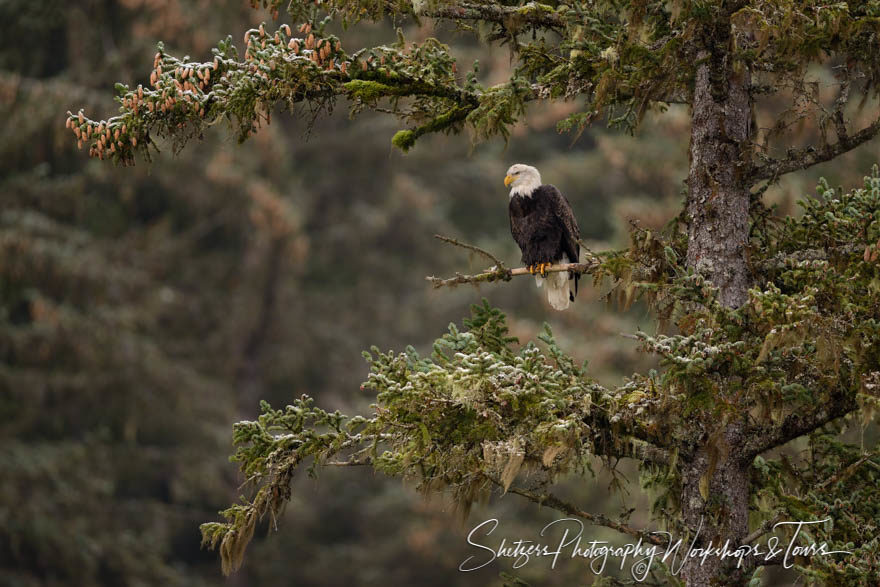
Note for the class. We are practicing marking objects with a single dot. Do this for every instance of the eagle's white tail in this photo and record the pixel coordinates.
(557, 289)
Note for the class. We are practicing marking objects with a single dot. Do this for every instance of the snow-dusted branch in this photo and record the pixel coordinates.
(534, 15)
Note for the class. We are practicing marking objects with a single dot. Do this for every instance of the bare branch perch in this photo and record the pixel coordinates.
(502, 274)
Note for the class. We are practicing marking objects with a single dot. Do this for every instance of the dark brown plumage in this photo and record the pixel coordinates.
(543, 225)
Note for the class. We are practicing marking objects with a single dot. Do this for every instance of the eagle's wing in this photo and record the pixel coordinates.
(565, 216)
(521, 230)
(567, 222)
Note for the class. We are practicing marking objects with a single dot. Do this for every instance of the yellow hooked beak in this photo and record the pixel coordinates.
(508, 179)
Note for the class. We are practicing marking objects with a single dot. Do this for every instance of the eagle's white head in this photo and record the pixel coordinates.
(523, 179)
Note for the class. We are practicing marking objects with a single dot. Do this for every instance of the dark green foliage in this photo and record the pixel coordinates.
(277, 68)
(470, 417)
(835, 481)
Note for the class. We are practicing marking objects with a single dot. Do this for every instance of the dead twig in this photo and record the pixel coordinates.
(473, 248)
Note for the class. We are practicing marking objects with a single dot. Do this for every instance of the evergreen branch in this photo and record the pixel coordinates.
(532, 14)
(352, 462)
(184, 98)
(643, 450)
(374, 84)
(637, 442)
(502, 274)
(806, 157)
(554, 502)
(405, 139)
(785, 260)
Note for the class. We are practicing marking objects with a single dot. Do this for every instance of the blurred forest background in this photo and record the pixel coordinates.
(144, 310)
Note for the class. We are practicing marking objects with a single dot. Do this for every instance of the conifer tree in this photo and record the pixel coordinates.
(776, 321)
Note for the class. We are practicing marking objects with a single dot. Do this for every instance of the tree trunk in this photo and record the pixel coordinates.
(724, 516)
(718, 196)
(718, 216)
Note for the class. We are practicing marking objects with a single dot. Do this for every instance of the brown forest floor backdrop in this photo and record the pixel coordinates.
(144, 310)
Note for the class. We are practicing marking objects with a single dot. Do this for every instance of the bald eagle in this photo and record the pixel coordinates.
(544, 227)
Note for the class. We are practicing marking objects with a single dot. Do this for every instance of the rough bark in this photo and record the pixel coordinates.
(718, 217)
(724, 516)
(718, 193)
